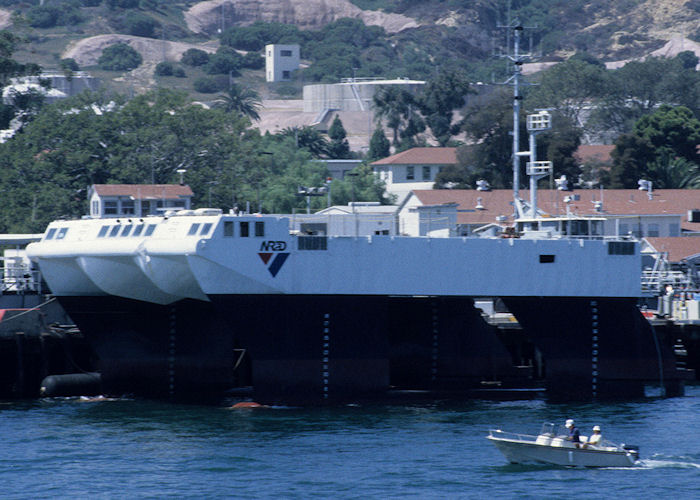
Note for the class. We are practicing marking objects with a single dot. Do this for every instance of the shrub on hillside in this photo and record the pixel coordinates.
(58, 14)
(210, 84)
(225, 61)
(138, 24)
(253, 60)
(119, 57)
(122, 4)
(167, 68)
(194, 57)
(259, 34)
(69, 64)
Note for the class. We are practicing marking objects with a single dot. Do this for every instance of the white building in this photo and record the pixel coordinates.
(281, 61)
(415, 168)
(137, 200)
(357, 218)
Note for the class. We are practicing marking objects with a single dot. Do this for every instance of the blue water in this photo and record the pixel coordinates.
(69, 448)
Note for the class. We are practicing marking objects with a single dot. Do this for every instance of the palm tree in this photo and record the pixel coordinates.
(244, 101)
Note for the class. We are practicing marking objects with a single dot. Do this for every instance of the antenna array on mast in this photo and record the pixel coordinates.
(512, 52)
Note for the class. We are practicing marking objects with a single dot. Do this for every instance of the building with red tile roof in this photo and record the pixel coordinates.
(677, 249)
(137, 200)
(664, 212)
(599, 153)
(415, 168)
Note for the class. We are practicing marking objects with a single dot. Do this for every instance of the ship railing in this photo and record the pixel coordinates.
(655, 281)
(20, 281)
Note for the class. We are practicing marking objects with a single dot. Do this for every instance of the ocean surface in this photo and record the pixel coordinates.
(76, 448)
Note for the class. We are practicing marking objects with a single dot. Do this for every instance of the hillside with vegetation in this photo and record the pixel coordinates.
(387, 38)
(158, 58)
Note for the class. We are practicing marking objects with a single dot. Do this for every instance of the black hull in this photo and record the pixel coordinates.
(321, 348)
(290, 347)
(596, 348)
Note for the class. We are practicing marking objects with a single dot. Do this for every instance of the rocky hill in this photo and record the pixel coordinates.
(207, 17)
(610, 31)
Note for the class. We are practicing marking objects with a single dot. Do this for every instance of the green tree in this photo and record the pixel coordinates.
(559, 146)
(338, 147)
(241, 100)
(630, 156)
(439, 98)
(399, 109)
(119, 57)
(309, 139)
(10, 68)
(489, 127)
(640, 87)
(379, 146)
(672, 129)
(651, 150)
(570, 87)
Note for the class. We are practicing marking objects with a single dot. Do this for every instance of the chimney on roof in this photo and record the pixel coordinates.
(645, 185)
(479, 204)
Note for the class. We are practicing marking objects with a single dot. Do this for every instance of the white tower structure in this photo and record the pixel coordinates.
(280, 62)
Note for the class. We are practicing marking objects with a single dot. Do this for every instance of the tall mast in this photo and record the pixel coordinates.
(518, 58)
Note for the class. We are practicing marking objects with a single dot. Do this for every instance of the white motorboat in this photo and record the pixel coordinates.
(552, 447)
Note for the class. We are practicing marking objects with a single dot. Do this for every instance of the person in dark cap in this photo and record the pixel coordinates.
(574, 434)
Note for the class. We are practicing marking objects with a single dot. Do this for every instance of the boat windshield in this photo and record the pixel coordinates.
(548, 429)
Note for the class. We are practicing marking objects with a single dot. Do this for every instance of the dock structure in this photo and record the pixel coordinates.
(37, 338)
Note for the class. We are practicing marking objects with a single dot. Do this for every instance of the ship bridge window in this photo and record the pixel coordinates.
(312, 242)
(149, 229)
(61, 233)
(50, 234)
(259, 228)
(205, 229)
(620, 248)
(546, 259)
(138, 230)
(103, 232)
(114, 231)
(228, 228)
(193, 229)
(245, 230)
(127, 230)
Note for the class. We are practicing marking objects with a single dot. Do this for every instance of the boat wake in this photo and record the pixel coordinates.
(657, 462)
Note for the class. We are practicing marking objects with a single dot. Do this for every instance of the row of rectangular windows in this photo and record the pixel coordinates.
(410, 173)
(61, 233)
(126, 230)
(138, 229)
(244, 229)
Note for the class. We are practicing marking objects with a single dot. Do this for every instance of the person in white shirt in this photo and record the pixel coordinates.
(597, 438)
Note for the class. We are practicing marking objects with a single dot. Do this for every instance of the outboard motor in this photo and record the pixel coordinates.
(632, 449)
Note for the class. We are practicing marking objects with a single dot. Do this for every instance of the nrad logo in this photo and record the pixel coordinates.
(274, 264)
(274, 246)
